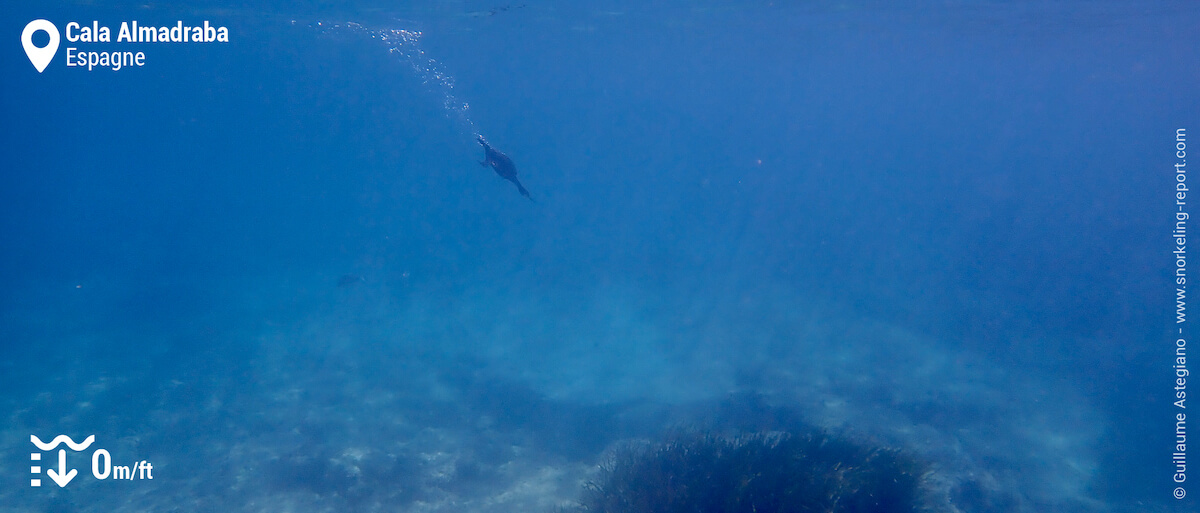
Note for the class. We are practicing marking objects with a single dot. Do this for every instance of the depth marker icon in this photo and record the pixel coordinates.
(63, 475)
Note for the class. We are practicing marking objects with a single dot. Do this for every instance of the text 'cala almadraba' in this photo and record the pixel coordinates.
(132, 32)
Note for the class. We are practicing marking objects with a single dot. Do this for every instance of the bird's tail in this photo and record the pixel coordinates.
(522, 190)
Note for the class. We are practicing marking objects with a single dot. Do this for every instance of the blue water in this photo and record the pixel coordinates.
(275, 269)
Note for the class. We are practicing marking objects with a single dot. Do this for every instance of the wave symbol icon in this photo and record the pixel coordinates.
(60, 439)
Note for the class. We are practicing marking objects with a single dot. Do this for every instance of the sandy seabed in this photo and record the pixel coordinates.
(374, 399)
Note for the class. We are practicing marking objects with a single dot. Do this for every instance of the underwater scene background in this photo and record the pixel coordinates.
(274, 269)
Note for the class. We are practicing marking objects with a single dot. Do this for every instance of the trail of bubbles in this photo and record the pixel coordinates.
(405, 44)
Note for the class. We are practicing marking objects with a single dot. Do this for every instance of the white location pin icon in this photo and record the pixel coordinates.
(40, 57)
